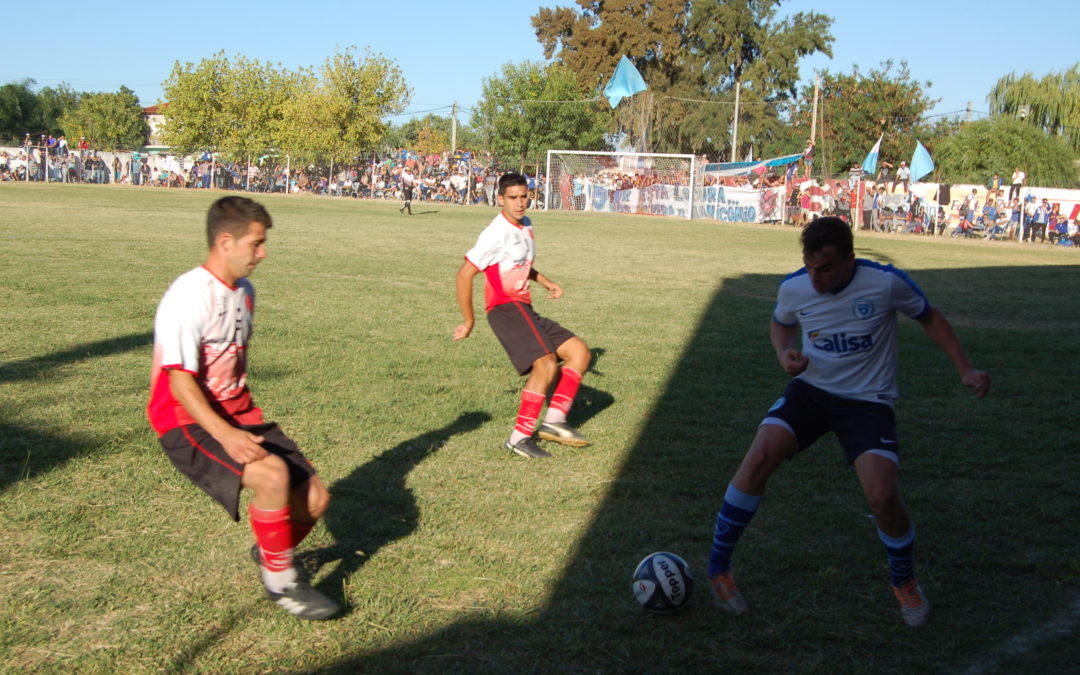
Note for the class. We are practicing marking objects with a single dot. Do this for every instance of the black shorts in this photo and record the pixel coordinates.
(407, 193)
(861, 426)
(525, 335)
(202, 459)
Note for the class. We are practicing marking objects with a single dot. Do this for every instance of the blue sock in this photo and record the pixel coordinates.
(733, 518)
(901, 552)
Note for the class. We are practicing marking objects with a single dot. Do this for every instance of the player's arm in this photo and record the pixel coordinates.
(784, 341)
(935, 325)
(464, 283)
(554, 290)
(242, 446)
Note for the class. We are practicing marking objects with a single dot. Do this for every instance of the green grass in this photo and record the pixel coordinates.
(453, 555)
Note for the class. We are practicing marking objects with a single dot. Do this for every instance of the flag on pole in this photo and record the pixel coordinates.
(921, 163)
(625, 81)
(869, 165)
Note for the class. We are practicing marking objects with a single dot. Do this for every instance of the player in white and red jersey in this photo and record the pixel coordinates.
(203, 413)
(845, 382)
(504, 254)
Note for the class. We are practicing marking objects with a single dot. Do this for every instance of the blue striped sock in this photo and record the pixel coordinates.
(734, 516)
(901, 552)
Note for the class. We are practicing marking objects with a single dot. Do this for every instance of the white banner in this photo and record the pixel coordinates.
(742, 205)
(655, 200)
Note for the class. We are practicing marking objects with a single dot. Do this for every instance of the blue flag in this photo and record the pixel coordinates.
(869, 165)
(625, 81)
(921, 164)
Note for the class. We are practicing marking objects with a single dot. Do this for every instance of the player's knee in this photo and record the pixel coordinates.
(269, 474)
(318, 500)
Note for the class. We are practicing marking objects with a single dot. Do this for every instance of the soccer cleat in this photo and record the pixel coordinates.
(726, 594)
(914, 607)
(304, 602)
(527, 447)
(561, 432)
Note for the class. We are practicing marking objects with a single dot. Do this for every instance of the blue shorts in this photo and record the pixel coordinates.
(861, 426)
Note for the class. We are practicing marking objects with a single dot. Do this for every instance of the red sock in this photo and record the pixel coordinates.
(565, 393)
(274, 536)
(529, 412)
(299, 531)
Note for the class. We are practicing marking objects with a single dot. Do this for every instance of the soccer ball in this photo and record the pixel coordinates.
(662, 583)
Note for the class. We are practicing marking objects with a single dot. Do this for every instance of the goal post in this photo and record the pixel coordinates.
(621, 182)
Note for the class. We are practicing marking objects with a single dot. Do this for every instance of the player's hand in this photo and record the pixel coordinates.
(554, 290)
(462, 332)
(977, 380)
(793, 361)
(242, 446)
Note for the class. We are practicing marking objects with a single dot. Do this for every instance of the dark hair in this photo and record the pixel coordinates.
(511, 179)
(828, 231)
(234, 215)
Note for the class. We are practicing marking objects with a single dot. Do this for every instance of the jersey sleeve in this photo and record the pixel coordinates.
(178, 328)
(906, 295)
(784, 312)
(488, 248)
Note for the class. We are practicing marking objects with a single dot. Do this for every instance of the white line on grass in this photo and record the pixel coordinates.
(1028, 641)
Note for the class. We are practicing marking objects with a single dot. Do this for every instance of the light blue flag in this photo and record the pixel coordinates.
(921, 164)
(625, 81)
(869, 165)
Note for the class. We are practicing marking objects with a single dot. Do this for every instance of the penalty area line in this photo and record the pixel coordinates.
(1064, 623)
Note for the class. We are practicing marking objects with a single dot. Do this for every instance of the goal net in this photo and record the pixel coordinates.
(620, 182)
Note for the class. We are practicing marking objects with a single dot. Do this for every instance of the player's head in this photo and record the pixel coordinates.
(828, 253)
(234, 215)
(511, 179)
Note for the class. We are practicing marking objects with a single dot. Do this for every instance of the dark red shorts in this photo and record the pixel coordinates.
(525, 335)
(202, 459)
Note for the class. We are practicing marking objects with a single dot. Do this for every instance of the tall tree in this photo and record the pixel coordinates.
(110, 121)
(530, 108)
(337, 113)
(857, 108)
(18, 110)
(1051, 103)
(53, 104)
(1000, 144)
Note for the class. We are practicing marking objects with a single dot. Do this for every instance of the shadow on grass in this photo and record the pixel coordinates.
(373, 507)
(820, 587)
(25, 452)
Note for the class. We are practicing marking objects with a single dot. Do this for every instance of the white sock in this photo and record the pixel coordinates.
(277, 581)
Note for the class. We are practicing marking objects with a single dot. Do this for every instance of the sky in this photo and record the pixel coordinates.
(446, 49)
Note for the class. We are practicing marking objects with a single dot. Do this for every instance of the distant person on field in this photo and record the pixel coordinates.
(504, 254)
(204, 415)
(845, 311)
(408, 184)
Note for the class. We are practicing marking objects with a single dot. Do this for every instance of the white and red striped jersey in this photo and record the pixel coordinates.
(504, 252)
(203, 326)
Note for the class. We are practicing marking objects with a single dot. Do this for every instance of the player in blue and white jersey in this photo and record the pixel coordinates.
(845, 382)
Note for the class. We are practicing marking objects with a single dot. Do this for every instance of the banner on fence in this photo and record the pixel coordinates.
(742, 205)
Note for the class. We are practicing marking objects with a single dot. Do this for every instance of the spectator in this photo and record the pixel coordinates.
(903, 175)
(1017, 183)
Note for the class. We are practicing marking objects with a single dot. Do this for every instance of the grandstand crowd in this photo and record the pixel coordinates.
(886, 202)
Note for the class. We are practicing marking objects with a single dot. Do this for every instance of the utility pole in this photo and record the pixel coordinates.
(735, 125)
(813, 114)
(969, 111)
(453, 129)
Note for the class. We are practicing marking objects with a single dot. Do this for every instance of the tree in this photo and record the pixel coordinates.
(691, 54)
(53, 104)
(338, 113)
(18, 110)
(231, 106)
(111, 121)
(1000, 144)
(530, 108)
(1051, 104)
(856, 109)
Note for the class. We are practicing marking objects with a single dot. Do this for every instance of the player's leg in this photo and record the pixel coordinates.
(575, 357)
(541, 375)
(307, 504)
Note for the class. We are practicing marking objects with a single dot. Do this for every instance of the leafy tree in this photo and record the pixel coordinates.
(110, 121)
(53, 104)
(530, 108)
(338, 113)
(1051, 104)
(1000, 144)
(858, 108)
(436, 131)
(231, 106)
(691, 54)
(18, 110)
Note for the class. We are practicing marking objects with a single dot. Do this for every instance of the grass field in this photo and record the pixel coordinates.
(454, 556)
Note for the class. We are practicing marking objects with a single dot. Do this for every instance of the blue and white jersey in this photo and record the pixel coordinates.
(850, 335)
